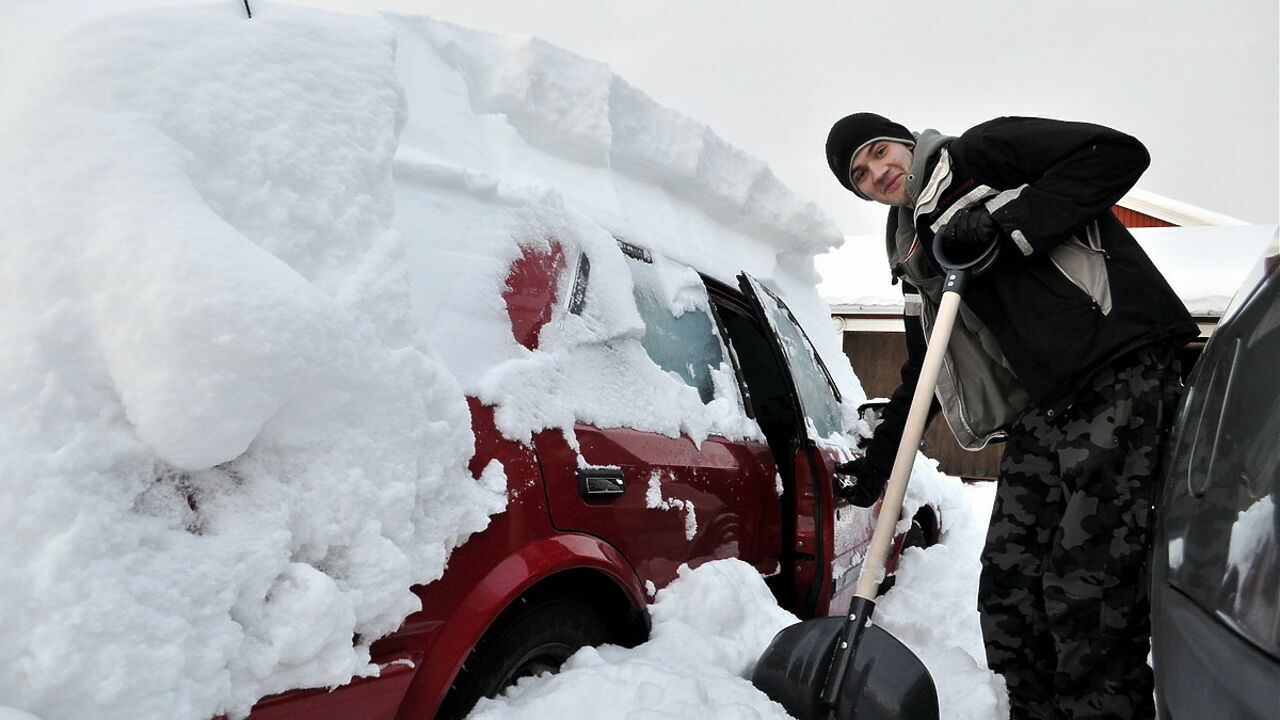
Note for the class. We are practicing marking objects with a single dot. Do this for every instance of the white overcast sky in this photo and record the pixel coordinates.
(1196, 80)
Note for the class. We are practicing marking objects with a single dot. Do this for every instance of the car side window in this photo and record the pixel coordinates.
(1236, 415)
(680, 335)
(1206, 414)
(817, 390)
(1226, 475)
(1249, 445)
(1246, 472)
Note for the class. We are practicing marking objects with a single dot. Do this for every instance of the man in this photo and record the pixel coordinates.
(1064, 348)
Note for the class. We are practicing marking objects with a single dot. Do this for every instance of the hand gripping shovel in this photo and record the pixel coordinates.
(845, 668)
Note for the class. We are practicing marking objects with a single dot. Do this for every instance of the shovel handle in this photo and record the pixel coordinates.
(862, 604)
(954, 282)
(917, 417)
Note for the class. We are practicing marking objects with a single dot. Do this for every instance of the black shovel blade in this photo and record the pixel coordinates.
(885, 680)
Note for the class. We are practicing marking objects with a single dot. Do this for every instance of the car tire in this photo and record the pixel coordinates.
(534, 636)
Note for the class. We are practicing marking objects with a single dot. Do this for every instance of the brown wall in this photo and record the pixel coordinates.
(877, 359)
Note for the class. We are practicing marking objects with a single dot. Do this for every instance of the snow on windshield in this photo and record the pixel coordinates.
(254, 268)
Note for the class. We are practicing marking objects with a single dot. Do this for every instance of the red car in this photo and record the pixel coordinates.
(584, 544)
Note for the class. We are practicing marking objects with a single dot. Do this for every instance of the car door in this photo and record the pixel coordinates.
(1216, 607)
(665, 500)
(829, 537)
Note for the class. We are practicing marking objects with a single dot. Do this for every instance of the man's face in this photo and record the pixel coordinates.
(880, 171)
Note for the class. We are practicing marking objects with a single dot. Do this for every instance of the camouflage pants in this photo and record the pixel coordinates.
(1063, 593)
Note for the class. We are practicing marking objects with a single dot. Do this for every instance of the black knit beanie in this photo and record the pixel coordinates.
(848, 136)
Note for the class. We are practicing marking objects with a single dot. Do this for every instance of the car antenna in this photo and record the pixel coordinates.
(247, 10)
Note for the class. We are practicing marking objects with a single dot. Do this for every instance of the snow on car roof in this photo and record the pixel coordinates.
(549, 116)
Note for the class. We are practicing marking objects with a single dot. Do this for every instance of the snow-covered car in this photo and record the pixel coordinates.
(377, 356)
(1216, 569)
(592, 531)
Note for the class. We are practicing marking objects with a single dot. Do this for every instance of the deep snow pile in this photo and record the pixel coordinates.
(223, 451)
(252, 270)
(709, 626)
(933, 608)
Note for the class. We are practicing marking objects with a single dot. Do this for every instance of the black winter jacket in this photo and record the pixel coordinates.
(1071, 292)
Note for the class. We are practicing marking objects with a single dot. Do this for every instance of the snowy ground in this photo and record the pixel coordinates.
(711, 624)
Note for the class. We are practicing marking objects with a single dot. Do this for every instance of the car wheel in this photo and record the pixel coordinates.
(534, 636)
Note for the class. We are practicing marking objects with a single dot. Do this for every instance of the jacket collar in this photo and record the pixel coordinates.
(929, 149)
(929, 175)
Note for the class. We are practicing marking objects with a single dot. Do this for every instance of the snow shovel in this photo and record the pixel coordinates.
(845, 668)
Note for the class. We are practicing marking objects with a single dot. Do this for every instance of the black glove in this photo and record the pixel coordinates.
(969, 233)
(867, 485)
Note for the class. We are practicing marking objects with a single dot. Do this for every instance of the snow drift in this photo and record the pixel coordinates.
(223, 452)
(709, 627)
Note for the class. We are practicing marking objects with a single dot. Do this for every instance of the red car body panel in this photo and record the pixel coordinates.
(367, 698)
(729, 484)
(518, 549)
(492, 569)
(807, 540)
(641, 536)
(530, 293)
(465, 613)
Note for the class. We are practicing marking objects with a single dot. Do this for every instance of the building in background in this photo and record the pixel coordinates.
(1142, 209)
(1204, 255)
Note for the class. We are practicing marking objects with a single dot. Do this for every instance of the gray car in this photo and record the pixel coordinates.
(1215, 567)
